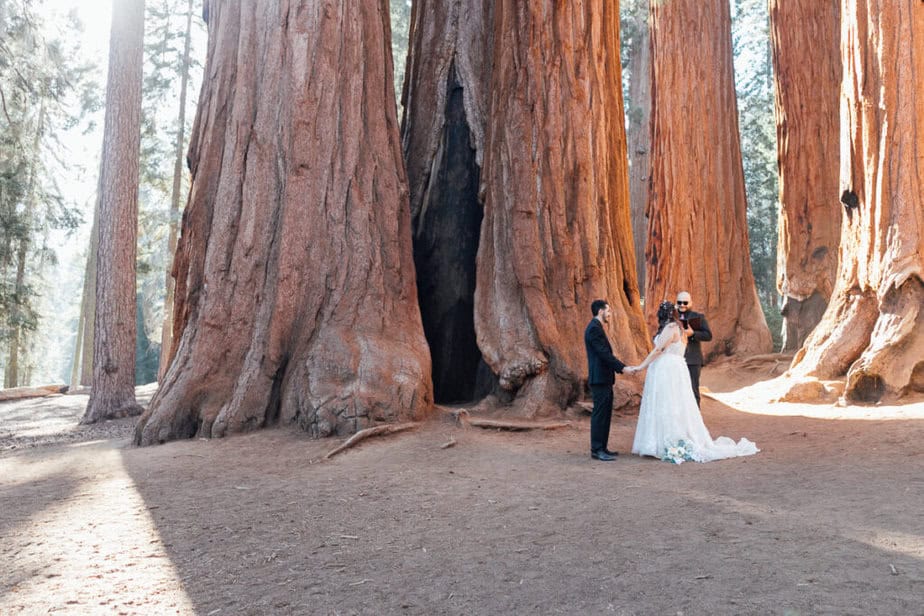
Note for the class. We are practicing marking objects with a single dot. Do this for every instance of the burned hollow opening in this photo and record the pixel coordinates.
(446, 234)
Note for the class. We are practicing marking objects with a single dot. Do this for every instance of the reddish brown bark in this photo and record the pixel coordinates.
(556, 232)
(873, 329)
(295, 293)
(113, 388)
(807, 115)
(698, 236)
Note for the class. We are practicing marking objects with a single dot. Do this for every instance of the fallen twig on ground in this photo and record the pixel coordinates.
(449, 443)
(375, 431)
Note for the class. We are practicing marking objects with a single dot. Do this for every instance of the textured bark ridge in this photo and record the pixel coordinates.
(873, 329)
(113, 391)
(295, 295)
(556, 232)
(698, 236)
(807, 115)
(443, 138)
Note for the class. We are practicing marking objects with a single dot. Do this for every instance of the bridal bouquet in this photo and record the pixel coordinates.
(678, 453)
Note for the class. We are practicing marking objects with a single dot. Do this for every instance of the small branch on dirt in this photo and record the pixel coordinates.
(755, 360)
(349, 537)
(894, 570)
(450, 443)
(376, 431)
(363, 581)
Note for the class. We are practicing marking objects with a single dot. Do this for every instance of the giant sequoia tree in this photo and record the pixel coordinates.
(295, 295)
(698, 236)
(556, 232)
(514, 112)
(873, 328)
(113, 391)
(807, 97)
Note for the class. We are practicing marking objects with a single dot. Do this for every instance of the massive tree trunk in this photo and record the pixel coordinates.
(113, 390)
(166, 335)
(556, 232)
(697, 211)
(873, 329)
(295, 297)
(639, 135)
(807, 98)
(445, 99)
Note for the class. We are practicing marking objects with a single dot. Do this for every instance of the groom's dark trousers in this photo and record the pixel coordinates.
(601, 417)
(601, 366)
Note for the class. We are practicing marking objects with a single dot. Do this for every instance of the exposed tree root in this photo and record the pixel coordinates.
(464, 418)
(450, 443)
(376, 431)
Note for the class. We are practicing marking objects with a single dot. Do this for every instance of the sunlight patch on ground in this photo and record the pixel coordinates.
(760, 398)
(81, 539)
(890, 541)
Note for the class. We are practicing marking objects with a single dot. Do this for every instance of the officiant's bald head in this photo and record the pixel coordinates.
(684, 301)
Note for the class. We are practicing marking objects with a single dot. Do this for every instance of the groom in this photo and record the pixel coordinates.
(601, 364)
(696, 329)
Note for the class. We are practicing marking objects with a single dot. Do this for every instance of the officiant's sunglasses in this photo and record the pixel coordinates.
(682, 303)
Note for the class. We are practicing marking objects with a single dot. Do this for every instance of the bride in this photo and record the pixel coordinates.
(670, 426)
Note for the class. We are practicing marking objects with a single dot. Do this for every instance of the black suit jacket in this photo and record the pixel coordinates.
(701, 333)
(601, 363)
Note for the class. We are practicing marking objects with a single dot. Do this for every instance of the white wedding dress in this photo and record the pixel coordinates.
(670, 425)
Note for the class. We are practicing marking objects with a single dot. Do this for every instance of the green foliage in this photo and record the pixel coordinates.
(165, 33)
(633, 17)
(44, 92)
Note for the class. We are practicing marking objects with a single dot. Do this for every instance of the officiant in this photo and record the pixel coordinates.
(696, 329)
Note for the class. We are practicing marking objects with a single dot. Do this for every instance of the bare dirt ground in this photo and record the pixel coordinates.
(827, 519)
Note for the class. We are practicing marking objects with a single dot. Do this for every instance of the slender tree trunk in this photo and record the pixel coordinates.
(11, 378)
(82, 367)
(113, 389)
(295, 297)
(166, 339)
(873, 329)
(639, 137)
(445, 99)
(807, 116)
(698, 234)
(556, 232)
(89, 313)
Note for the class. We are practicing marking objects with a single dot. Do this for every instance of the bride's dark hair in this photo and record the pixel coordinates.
(665, 315)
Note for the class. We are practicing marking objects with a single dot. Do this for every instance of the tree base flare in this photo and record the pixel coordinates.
(100, 412)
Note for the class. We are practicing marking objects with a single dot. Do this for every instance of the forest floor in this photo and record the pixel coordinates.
(826, 519)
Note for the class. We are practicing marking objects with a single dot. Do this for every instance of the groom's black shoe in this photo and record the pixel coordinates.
(612, 453)
(603, 456)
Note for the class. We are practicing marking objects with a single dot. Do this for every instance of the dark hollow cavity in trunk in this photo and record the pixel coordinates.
(446, 233)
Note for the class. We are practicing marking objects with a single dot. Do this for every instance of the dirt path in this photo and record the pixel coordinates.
(825, 520)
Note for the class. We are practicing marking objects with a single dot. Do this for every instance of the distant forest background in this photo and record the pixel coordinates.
(52, 84)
